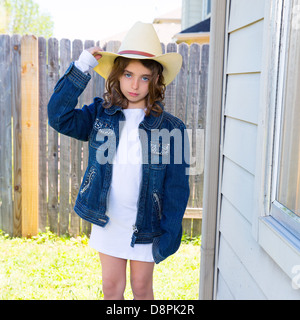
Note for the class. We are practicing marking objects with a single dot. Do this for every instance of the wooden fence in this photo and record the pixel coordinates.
(41, 170)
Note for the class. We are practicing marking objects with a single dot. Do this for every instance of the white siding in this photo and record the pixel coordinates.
(240, 143)
(238, 187)
(257, 270)
(243, 106)
(245, 49)
(245, 12)
(244, 269)
(191, 12)
(236, 276)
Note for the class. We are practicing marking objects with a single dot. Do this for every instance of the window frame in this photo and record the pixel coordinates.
(279, 211)
(205, 14)
(275, 231)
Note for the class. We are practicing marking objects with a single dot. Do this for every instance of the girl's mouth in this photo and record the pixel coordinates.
(133, 94)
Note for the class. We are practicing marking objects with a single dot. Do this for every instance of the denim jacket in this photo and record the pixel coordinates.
(164, 189)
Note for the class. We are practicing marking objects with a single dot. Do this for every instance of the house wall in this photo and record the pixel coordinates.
(243, 269)
(194, 11)
(191, 13)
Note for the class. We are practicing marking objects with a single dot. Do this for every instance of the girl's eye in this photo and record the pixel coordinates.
(127, 75)
(145, 79)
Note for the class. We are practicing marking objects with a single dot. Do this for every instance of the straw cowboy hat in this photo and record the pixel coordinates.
(141, 42)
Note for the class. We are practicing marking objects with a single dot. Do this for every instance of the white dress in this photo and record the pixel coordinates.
(115, 238)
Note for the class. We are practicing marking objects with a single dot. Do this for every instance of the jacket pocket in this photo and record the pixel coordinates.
(160, 154)
(102, 132)
(157, 204)
(88, 180)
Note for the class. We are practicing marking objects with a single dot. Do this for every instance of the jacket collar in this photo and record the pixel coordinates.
(150, 122)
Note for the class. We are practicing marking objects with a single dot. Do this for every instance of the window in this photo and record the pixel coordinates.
(208, 7)
(286, 186)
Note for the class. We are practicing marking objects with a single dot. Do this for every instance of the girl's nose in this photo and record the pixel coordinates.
(135, 84)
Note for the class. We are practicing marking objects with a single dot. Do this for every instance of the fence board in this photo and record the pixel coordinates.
(201, 125)
(30, 135)
(5, 136)
(53, 75)
(170, 96)
(17, 134)
(88, 96)
(43, 100)
(203, 86)
(76, 145)
(192, 111)
(65, 152)
(182, 83)
(99, 82)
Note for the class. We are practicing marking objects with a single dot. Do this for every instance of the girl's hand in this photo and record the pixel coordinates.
(95, 51)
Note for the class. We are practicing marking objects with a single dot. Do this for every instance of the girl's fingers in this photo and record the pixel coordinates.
(97, 56)
(95, 51)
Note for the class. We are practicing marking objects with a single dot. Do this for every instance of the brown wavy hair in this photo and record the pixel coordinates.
(114, 96)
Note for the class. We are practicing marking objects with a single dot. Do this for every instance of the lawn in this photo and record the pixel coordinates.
(50, 267)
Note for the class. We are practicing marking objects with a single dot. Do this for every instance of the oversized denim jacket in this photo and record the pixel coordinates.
(164, 190)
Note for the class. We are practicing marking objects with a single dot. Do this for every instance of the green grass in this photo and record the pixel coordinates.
(57, 268)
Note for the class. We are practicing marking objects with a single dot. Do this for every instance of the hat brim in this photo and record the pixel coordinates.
(171, 63)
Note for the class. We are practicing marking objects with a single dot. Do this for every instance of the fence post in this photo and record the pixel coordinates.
(30, 135)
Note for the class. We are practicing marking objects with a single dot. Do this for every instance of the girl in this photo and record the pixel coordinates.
(135, 189)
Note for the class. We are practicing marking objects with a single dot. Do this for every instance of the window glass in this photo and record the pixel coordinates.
(208, 7)
(288, 188)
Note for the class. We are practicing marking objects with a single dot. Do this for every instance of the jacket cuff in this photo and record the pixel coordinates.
(77, 77)
(86, 62)
(155, 251)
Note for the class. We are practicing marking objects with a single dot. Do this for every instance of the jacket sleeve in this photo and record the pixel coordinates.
(175, 199)
(62, 115)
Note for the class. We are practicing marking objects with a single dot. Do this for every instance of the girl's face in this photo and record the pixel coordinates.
(134, 84)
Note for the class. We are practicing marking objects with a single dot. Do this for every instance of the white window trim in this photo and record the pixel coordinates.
(205, 15)
(280, 244)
